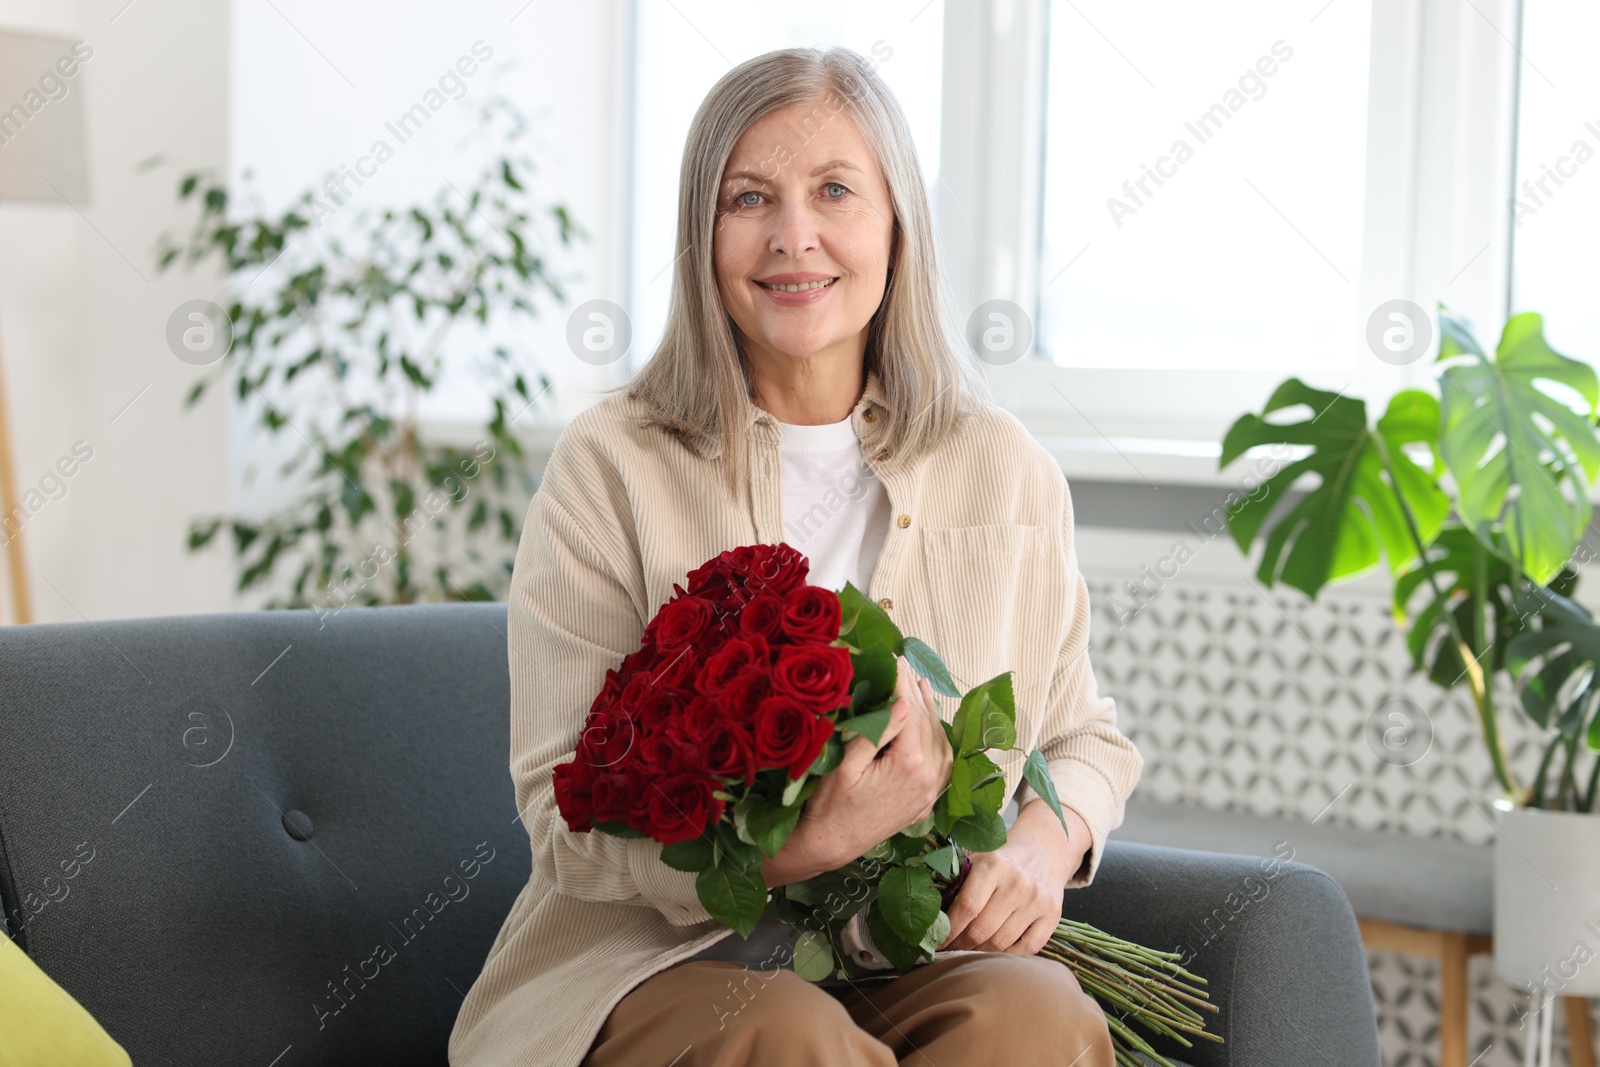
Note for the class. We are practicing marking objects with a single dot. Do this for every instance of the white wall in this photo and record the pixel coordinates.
(233, 86)
(82, 318)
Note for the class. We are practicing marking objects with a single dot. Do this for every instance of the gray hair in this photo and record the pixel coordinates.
(697, 382)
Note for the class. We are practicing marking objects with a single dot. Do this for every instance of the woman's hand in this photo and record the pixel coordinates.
(879, 790)
(1011, 899)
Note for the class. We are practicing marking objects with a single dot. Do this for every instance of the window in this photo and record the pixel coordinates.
(1203, 189)
(1556, 205)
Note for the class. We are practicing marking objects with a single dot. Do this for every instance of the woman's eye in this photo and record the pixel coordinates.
(836, 185)
(740, 201)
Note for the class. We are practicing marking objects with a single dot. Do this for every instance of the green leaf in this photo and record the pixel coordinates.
(986, 717)
(792, 788)
(1337, 529)
(928, 664)
(909, 901)
(770, 824)
(942, 819)
(618, 829)
(693, 855)
(979, 832)
(877, 669)
(1522, 458)
(872, 628)
(959, 791)
(944, 860)
(733, 896)
(828, 759)
(741, 818)
(871, 725)
(813, 955)
(1557, 665)
(1037, 772)
(988, 784)
(1456, 556)
(731, 851)
(936, 934)
(510, 178)
(200, 533)
(901, 955)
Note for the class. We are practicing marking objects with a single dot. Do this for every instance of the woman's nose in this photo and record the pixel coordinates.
(794, 229)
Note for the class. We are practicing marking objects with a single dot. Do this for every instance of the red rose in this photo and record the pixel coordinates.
(610, 689)
(771, 568)
(812, 613)
(719, 582)
(659, 705)
(818, 676)
(640, 789)
(679, 669)
(607, 739)
(574, 786)
(789, 735)
(763, 616)
(700, 716)
(612, 797)
(658, 753)
(680, 622)
(734, 656)
(642, 659)
(729, 752)
(740, 697)
(682, 807)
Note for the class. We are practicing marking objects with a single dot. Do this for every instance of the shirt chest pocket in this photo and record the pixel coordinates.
(976, 576)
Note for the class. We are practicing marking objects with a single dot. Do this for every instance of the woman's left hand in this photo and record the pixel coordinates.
(1011, 899)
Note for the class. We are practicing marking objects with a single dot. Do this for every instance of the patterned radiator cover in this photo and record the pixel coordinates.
(1266, 699)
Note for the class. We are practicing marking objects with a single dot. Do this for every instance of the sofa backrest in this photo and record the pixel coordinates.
(261, 837)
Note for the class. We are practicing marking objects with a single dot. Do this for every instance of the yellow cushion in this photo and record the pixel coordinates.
(41, 1025)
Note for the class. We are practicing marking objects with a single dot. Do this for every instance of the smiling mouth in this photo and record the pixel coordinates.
(802, 287)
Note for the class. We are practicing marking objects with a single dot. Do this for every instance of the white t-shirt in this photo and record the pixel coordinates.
(835, 510)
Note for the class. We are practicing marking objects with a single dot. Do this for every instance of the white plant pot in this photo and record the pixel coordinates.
(1547, 901)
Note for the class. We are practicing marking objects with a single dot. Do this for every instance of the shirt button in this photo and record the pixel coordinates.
(883, 454)
(886, 604)
(904, 520)
(869, 415)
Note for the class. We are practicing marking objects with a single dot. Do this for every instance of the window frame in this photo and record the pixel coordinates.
(1440, 156)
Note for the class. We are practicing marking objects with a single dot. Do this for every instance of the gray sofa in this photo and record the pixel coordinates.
(282, 839)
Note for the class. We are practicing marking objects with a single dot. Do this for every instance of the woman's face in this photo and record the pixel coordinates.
(802, 201)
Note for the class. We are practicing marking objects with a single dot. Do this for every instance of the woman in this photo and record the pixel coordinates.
(807, 390)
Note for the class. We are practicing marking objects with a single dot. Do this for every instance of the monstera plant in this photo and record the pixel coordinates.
(1476, 496)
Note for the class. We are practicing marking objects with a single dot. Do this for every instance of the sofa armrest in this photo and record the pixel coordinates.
(1275, 940)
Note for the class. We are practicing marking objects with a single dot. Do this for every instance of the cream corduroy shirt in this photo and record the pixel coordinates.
(980, 562)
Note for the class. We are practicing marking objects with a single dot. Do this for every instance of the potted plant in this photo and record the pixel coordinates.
(1476, 496)
(335, 337)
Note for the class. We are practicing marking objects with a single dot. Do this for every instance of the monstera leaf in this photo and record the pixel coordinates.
(1338, 529)
(1556, 665)
(1499, 429)
(1475, 581)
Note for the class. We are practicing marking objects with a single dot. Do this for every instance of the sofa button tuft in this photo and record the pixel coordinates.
(298, 823)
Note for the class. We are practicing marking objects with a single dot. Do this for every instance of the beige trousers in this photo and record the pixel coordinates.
(994, 1007)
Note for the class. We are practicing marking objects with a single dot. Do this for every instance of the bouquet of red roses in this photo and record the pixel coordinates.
(711, 736)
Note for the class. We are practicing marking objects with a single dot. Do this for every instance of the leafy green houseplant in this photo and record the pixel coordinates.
(1476, 497)
(339, 353)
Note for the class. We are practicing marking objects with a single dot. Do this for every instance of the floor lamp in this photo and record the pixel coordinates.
(42, 158)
